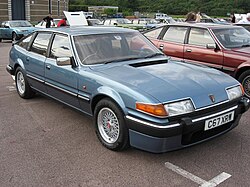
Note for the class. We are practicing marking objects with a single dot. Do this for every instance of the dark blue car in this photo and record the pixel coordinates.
(136, 95)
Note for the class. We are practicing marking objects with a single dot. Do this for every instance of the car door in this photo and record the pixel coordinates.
(61, 79)
(172, 42)
(154, 34)
(202, 49)
(35, 60)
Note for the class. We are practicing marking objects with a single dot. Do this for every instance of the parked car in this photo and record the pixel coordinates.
(136, 95)
(148, 23)
(123, 22)
(225, 47)
(214, 20)
(14, 30)
(245, 25)
(92, 22)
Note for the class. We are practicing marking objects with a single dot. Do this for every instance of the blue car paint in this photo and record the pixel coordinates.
(6, 33)
(126, 84)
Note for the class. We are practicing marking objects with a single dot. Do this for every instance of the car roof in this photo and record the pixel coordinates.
(87, 30)
(203, 25)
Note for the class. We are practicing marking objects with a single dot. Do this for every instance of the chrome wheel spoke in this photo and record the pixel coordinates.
(108, 125)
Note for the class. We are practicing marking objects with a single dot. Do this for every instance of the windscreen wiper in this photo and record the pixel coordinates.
(120, 60)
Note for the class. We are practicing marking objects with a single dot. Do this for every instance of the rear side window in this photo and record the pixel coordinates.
(60, 47)
(154, 33)
(200, 37)
(175, 34)
(40, 43)
(25, 42)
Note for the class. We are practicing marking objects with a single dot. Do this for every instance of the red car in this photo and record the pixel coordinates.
(224, 47)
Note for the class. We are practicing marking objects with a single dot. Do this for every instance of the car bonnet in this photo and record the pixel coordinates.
(173, 81)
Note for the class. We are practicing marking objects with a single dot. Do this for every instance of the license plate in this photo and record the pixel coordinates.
(219, 120)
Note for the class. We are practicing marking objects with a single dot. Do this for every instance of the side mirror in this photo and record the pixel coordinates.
(211, 46)
(63, 61)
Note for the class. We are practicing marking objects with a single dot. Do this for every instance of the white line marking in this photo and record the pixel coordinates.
(212, 183)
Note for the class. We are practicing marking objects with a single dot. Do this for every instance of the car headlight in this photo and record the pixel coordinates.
(235, 92)
(179, 107)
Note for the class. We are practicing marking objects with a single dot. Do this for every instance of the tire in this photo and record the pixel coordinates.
(111, 129)
(244, 79)
(14, 36)
(0, 39)
(22, 86)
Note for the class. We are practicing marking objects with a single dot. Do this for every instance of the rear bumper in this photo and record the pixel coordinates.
(185, 132)
(10, 70)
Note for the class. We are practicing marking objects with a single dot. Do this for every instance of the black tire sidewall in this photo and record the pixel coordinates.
(242, 77)
(14, 38)
(28, 93)
(122, 141)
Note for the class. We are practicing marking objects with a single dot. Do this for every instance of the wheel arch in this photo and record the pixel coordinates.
(106, 92)
(19, 63)
(241, 70)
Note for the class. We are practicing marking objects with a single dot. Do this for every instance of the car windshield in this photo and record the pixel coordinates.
(20, 24)
(116, 47)
(233, 37)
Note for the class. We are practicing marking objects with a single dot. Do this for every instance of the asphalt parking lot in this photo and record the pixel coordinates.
(45, 143)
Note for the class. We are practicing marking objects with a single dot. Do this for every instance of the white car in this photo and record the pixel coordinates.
(42, 24)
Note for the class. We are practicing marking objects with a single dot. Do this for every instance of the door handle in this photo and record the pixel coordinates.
(189, 50)
(161, 47)
(28, 59)
(48, 67)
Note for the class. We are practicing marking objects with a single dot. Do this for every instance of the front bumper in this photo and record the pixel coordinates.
(183, 131)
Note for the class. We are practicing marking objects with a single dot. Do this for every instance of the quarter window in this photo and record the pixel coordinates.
(60, 47)
(154, 33)
(25, 42)
(40, 43)
(200, 37)
(175, 34)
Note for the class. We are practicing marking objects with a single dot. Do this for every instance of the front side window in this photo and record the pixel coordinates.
(116, 47)
(236, 37)
(154, 33)
(40, 43)
(175, 34)
(200, 37)
(60, 47)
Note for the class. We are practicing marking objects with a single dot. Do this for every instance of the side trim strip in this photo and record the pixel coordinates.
(216, 114)
(37, 79)
(152, 125)
(61, 89)
(83, 97)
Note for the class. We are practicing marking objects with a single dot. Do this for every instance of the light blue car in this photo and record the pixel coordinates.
(136, 95)
(14, 30)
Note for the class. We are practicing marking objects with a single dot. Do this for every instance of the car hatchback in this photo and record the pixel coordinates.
(136, 95)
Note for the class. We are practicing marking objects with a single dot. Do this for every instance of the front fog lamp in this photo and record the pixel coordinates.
(234, 92)
(180, 107)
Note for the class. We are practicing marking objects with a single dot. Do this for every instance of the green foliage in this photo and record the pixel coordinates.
(210, 7)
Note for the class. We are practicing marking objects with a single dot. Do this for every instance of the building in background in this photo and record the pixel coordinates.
(31, 10)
